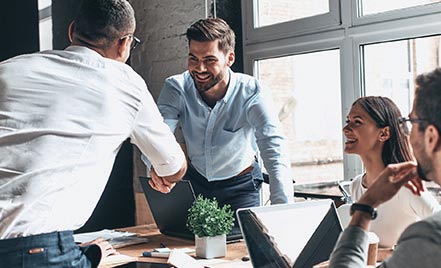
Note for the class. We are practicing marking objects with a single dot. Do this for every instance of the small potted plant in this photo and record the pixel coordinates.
(210, 224)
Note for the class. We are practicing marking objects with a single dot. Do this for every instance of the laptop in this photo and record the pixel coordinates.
(170, 210)
(298, 235)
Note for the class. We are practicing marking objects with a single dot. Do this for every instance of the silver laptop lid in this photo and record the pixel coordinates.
(300, 235)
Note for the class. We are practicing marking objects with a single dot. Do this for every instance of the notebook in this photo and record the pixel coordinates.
(296, 235)
(170, 210)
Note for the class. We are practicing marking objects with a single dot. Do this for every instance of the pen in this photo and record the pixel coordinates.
(156, 254)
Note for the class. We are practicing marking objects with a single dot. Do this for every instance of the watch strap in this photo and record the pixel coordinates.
(364, 208)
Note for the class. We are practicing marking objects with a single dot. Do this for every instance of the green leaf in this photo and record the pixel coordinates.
(206, 218)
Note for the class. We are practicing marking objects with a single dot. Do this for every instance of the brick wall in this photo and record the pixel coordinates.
(161, 24)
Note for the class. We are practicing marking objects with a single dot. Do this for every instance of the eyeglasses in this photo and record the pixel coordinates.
(135, 40)
(406, 123)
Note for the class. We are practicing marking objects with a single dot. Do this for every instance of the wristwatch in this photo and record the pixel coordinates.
(365, 208)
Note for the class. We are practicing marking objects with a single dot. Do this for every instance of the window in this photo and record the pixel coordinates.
(45, 24)
(316, 63)
(377, 6)
(270, 19)
(277, 11)
(313, 132)
(391, 67)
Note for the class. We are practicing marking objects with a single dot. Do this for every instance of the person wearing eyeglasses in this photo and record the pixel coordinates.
(63, 118)
(224, 117)
(373, 132)
(420, 243)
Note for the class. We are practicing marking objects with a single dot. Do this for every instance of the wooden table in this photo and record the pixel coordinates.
(235, 251)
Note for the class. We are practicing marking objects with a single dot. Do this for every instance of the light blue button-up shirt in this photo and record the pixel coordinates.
(221, 140)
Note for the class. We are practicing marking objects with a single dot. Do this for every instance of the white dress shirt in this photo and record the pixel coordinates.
(395, 215)
(63, 117)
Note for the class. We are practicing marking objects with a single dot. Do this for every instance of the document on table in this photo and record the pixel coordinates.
(114, 260)
(116, 238)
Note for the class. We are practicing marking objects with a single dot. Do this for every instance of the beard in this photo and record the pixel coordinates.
(421, 173)
(424, 167)
(205, 86)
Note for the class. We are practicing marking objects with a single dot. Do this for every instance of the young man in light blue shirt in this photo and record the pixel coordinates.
(223, 115)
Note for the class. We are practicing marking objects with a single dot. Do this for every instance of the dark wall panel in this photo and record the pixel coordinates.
(18, 28)
(230, 11)
(63, 12)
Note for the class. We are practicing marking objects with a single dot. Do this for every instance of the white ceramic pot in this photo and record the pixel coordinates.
(209, 247)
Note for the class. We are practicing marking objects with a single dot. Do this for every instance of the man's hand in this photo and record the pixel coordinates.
(388, 183)
(390, 180)
(160, 184)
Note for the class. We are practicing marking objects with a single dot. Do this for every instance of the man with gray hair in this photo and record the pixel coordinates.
(63, 117)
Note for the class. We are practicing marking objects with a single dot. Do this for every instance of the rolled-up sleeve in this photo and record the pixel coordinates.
(272, 148)
(155, 140)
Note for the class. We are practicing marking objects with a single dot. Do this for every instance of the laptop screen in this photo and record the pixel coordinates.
(170, 210)
(300, 235)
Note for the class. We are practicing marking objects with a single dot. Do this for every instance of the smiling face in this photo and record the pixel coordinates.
(208, 65)
(362, 134)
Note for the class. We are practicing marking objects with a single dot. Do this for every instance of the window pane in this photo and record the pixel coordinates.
(45, 24)
(46, 34)
(391, 68)
(306, 90)
(378, 6)
(277, 11)
(44, 4)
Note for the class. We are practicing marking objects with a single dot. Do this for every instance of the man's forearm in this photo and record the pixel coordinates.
(361, 219)
(178, 175)
(351, 249)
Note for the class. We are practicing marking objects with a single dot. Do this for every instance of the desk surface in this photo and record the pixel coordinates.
(235, 251)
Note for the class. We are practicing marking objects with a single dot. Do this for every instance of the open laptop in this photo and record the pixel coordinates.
(296, 235)
(170, 210)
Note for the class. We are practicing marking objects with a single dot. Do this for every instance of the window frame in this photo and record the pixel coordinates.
(330, 20)
(395, 14)
(349, 36)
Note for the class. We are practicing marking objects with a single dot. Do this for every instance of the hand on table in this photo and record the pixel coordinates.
(105, 246)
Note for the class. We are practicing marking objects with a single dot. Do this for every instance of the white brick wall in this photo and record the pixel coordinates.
(161, 25)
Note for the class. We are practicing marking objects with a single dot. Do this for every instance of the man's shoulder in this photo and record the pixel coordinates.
(247, 85)
(246, 79)
(179, 81)
(429, 227)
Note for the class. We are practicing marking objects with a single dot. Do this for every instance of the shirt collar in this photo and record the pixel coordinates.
(231, 87)
(83, 50)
